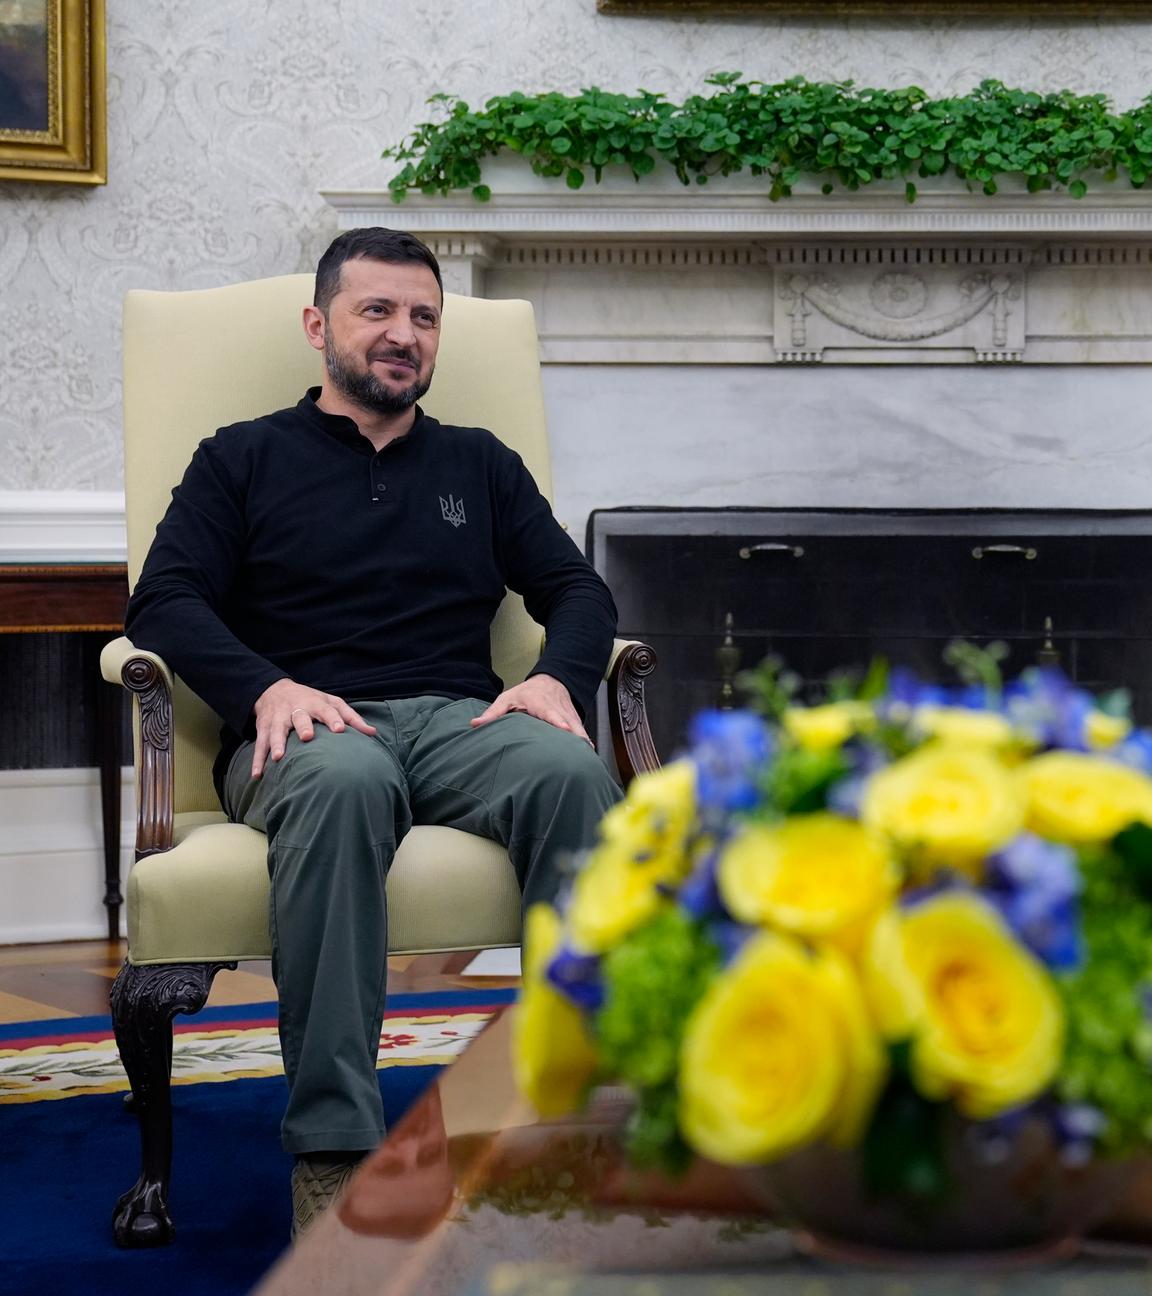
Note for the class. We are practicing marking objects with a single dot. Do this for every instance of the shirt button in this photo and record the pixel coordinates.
(380, 486)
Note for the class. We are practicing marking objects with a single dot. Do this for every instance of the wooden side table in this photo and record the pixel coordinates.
(79, 598)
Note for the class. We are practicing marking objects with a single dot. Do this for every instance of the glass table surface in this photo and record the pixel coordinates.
(473, 1194)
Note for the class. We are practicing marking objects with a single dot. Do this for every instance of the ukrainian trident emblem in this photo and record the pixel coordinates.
(453, 511)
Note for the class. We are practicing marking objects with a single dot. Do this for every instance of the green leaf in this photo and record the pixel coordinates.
(653, 1134)
(574, 178)
(978, 666)
(481, 192)
(652, 981)
(1116, 702)
(1134, 847)
(791, 128)
(875, 682)
(1106, 1023)
(902, 1154)
(1077, 188)
(798, 781)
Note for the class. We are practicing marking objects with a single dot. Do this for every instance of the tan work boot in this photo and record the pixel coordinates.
(316, 1183)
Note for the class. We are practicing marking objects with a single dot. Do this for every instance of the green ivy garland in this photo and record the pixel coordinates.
(835, 130)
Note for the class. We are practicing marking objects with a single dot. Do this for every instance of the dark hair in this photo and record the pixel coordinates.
(373, 244)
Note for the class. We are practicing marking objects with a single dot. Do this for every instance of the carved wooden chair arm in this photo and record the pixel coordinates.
(631, 663)
(148, 676)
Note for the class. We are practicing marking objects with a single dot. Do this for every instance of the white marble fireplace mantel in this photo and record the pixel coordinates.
(657, 272)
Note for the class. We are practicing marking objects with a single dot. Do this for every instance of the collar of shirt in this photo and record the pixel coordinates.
(344, 429)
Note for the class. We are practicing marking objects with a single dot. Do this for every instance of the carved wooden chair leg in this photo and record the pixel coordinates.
(144, 1001)
(130, 1104)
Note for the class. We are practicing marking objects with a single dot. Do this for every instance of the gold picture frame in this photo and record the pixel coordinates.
(894, 9)
(52, 91)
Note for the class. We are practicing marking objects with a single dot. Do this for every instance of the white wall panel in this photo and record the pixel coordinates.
(226, 118)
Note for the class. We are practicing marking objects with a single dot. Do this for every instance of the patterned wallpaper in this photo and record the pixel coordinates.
(227, 116)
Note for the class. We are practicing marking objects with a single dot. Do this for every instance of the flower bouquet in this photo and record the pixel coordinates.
(893, 951)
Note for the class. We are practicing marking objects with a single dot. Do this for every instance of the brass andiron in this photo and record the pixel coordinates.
(728, 660)
(1048, 656)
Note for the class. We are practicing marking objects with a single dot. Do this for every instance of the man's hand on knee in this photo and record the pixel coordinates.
(286, 706)
(541, 696)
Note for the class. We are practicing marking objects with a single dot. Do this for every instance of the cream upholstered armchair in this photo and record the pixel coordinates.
(197, 897)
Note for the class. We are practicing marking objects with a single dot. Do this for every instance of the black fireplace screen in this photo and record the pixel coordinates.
(832, 589)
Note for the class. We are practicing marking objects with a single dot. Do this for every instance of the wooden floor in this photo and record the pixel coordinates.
(45, 982)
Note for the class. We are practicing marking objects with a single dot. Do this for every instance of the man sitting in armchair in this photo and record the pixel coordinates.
(325, 579)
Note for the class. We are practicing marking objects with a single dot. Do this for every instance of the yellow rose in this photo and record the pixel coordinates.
(961, 727)
(1102, 731)
(645, 841)
(553, 1057)
(1076, 798)
(777, 1054)
(822, 728)
(816, 875)
(894, 995)
(655, 820)
(986, 1022)
(952, 804)
(866, 1058)
(613, 894)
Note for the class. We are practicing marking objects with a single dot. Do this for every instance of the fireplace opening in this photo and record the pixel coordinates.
(715, 590)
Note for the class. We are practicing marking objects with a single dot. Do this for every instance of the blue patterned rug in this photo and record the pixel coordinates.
(68, 1149)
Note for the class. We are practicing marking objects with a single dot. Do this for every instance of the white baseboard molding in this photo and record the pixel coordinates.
(52, 854)
(62, 526)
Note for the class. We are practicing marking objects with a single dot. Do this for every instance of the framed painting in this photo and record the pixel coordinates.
(894, 9)
(52, 91)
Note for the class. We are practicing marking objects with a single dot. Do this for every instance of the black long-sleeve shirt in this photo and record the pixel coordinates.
(294, 549)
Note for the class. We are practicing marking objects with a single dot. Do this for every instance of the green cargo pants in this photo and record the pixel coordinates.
(334, 810)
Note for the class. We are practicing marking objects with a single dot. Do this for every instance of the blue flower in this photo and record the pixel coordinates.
(845, 796)
(1077, 1128)
(997, 1136)
(577, 977)
(944, 880)
(904, 693)
(1135, 751)
(1035, 883)
(973, 697)
(730, 938)
(1045, 705)
(729, 748)
(700, 894)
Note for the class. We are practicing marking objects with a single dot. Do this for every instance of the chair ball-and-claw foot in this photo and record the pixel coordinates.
(141, 1218)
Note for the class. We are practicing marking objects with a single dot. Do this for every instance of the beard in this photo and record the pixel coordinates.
(363, 388)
